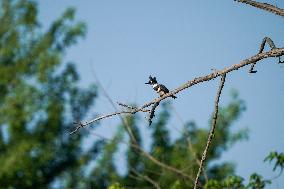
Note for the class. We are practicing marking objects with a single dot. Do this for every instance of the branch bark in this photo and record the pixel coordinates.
(212, 131)
(264, 6)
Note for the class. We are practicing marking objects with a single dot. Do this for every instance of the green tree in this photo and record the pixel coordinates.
(39, 100)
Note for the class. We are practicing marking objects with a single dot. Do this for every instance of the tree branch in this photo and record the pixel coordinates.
(83, 124)
(212, 131)
(275, 52)
(152, 112)
(264, 6)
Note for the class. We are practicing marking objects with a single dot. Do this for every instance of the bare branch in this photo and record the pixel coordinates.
(152, 112)
(132, 107)
(275, 52)
(264, 6)
(83, 124)
(212, 131)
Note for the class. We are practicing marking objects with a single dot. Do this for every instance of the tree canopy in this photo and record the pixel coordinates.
(39, 99)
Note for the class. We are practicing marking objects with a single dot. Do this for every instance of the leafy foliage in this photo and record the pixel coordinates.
(256, 181)
(279, 159)
(39, 99)
(236, 182)
(115, 186)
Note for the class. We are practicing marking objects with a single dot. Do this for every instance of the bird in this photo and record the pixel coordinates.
(159, 88)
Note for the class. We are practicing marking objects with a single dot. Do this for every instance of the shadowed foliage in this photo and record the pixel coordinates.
(39, 99)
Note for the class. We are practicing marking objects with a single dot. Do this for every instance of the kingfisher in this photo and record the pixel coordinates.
(161, 89)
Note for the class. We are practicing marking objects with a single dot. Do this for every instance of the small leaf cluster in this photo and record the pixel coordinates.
(278, 158)
(256, 181)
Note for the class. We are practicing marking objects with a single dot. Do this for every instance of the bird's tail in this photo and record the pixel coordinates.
(174, 97)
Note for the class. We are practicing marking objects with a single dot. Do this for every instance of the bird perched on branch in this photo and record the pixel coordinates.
(161, 89)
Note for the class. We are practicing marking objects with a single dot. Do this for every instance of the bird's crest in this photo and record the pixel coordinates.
(152, 80)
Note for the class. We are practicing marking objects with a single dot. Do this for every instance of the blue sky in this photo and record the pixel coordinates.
(176, 41)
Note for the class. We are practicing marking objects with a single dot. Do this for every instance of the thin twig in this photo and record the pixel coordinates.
(212, 131)
(132, 107)
(261, 48)
(152, 112)
(278, 175)
(135, 177)
(84, 124)
(264, 6)
(145, 177)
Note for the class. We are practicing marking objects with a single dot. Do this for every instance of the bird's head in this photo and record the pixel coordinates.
(152, 80)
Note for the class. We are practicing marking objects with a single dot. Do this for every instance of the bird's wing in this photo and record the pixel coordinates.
(164, 88)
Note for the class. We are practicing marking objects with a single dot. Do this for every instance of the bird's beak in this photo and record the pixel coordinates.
(148, 83)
